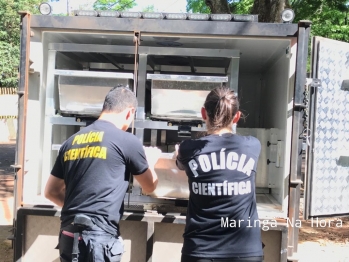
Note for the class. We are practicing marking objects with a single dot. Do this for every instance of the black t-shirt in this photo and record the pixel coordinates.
(221, 172)
(95, 164)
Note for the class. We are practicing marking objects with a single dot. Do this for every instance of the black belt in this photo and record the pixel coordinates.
(81, 222)
(69, 234)
(114, 231)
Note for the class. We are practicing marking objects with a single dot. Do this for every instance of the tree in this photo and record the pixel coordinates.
(218, 6)
(315, 8)
(269, 10)
(329, 17)
(197, 6)
(234, 6)
(241, 7)
(331, 20)
(149, 8)
(117, 5)
(10, 38)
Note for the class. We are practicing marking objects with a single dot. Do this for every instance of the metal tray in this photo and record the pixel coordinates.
(84, 96)
(180, 96)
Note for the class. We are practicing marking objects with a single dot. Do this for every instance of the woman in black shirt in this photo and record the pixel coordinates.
(222, 221)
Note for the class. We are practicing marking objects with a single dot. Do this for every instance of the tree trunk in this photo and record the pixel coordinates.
(269, 11)
(218, 6)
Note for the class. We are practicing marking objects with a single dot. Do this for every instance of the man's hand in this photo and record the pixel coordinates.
(55, 190)
(153, 155)
(149, 179)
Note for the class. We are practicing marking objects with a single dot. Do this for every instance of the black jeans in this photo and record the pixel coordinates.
(95, 246)
(186, 258)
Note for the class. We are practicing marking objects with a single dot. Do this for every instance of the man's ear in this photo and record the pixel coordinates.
(203, 113)
(129, 113)
(237, 117)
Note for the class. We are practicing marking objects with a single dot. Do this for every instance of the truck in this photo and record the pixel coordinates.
(171, 61)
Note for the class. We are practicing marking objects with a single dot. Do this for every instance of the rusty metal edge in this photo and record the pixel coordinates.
(21, 130)
(173, 27)
(295, 181)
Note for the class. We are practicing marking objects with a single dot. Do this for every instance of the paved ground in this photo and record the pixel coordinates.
(6, 251)
(316, 244)
(7, 158)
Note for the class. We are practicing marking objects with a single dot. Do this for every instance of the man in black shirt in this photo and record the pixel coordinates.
(90, 179)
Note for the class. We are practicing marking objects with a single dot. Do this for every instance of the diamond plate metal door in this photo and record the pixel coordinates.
(327, 184)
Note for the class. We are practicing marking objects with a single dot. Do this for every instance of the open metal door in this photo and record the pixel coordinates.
(327, 171)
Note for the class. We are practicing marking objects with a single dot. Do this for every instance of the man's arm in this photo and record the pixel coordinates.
(140, 161)
(55, 190)
(148, 180)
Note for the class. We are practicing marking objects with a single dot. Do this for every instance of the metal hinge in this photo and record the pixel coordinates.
(16, 167)
(296, 182)
(184, 131)
(345, 85)
(306, 133)
(12, 238)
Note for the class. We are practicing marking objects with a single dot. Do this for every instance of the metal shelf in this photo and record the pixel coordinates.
(150, 124)
(93, 74)
(56, 147)
(192, 78)
(69, 121)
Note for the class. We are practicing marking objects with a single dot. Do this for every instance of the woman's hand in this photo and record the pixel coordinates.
(175, 154)
(152, 154)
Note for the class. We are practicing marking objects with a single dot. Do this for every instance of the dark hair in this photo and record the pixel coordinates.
(118, 99)
(221, 106)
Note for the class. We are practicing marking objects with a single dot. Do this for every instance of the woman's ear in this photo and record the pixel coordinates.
(237, 117)
(203, 113)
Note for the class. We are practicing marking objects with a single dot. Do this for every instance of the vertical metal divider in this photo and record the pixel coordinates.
(311, 123)
(233, 74)
(19, 239)
(233, 79)
(136, 41)
(283, 253)
(310, 154)
(150, 240)
(295, 181)
(153, 137)
(22, 92)
(48, 114)
(140, 114)
(139, 88)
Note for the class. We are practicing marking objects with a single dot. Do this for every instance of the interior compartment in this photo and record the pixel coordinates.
(261, 70)
(180, 97)
(81, 95)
